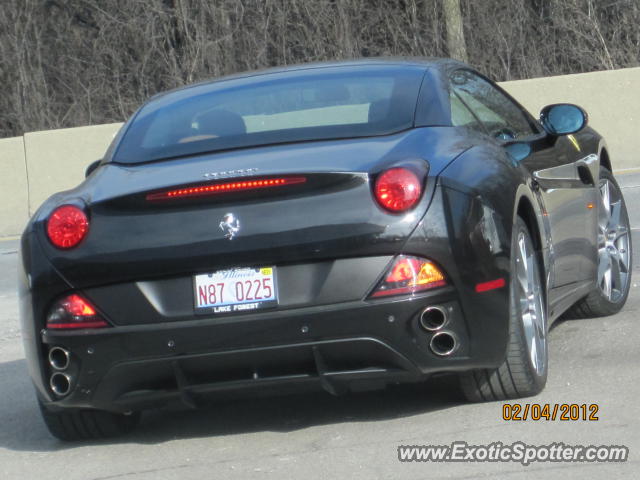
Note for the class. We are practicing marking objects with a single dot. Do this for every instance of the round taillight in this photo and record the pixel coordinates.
(67, 226)
(397, 189)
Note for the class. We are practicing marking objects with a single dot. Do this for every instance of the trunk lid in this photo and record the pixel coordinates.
(333, 214)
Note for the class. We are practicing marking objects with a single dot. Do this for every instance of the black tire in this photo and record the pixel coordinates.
(84, 424)
(517, 376)
(596, 304)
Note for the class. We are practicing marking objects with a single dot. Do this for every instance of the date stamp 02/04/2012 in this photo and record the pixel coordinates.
(564, 412)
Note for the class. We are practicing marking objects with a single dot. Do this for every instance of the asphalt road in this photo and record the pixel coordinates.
(354, 436)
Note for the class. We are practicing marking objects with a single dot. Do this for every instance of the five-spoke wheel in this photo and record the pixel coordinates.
(613, 242)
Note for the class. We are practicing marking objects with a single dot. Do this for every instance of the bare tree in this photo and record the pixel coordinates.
(66, 63)
(455, 33)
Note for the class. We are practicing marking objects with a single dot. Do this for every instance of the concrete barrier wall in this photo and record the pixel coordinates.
(41, 163)
(611, 98)
(57, 159)
(14, 190)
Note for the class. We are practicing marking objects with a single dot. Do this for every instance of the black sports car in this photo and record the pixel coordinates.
(337, 226)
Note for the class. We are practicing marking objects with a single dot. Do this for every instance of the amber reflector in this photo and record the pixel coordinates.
(408, 275)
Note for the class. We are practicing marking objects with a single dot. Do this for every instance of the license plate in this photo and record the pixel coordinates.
(235, 290)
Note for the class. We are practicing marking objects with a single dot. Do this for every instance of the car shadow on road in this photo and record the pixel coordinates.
(22, 429)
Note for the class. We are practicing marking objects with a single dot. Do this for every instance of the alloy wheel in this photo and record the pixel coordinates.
(613, 243)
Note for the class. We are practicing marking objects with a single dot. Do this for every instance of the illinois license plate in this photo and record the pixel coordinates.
(235, 290)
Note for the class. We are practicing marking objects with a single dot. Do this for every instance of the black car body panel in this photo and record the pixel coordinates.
(331, 243)
(187, 235)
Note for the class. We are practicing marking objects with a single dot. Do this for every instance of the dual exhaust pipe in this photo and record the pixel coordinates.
(59, 358)
(60, 381)
(433, 320)
(60, 384)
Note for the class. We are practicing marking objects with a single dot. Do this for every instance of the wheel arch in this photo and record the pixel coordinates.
(527, 208)
(526, 211)
(605, 161)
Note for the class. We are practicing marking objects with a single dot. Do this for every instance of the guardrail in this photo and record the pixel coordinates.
(34, 166)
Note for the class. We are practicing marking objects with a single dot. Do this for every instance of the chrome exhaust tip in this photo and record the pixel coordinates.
(433, 318)
(443, 343)
(59, 358)
(60, 384)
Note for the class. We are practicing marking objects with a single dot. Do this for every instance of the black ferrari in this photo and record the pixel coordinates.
(337, 226)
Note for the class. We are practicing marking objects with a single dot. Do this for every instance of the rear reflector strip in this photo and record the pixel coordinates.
(491, 285)
(67, 326)
(214, 189)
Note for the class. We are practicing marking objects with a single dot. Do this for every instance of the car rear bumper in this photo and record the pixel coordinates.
(325, 334)
(346, 347)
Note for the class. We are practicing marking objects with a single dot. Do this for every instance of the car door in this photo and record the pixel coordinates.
(567, 193)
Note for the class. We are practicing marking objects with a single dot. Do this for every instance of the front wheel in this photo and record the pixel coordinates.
(524, 370)
(613, 276)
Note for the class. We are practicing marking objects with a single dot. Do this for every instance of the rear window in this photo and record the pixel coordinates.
(314, 104)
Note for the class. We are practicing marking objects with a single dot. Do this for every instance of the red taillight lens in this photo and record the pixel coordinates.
(217, 188)
(73, 311)
(408, 275)
(397, 189)
(67, 226)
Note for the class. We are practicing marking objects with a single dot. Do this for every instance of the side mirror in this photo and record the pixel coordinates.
(92, 166)
(563, 119)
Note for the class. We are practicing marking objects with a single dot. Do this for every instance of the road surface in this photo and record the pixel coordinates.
(350, 437)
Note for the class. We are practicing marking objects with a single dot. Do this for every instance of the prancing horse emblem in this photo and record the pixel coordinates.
(230, 225)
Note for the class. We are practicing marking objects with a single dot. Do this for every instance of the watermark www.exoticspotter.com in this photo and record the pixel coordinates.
(518, 452)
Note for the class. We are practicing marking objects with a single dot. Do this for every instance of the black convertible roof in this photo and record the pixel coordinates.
(168, 125)
(426, 62)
